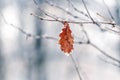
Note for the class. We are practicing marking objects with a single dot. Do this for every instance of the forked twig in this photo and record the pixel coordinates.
(104, 53)
(77, 10)
(87, 11)
(66, 11)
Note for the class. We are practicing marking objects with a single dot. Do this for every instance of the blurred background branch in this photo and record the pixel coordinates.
(96, 41)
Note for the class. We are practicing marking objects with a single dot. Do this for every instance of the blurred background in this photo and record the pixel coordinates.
(42, 59)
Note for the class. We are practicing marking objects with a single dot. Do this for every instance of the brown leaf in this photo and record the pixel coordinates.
(66, 39)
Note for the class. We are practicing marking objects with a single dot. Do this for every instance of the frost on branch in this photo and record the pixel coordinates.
(66, 39)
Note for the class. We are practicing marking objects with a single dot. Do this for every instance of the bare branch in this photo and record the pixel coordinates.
(75, 65)
(109, 29)
(62, 9)
(46, 13)
(81, 12)
(88, 39)
(45, 19)
(75, 22)
(108, 10)
(56, 18)
(28, 34)
(104, 53)
(109, 62)
(113, 24)
(35, 36)
(87, 22)
(87, 11)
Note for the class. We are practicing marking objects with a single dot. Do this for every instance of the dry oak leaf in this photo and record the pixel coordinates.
(66, 39)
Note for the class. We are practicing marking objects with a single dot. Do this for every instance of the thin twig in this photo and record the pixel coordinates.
(66, 11)
(108, 10)
(77, 10)
(104, 53)
(103, 17)
(75, 22)
(87, 11)
(76, 68)
(113, 20)
(83, 29)
(109, 29)
(90, 15)
(46, 13)
(109, 62)
(45, 19)
(113, 24)
(107, 55)
(28, 34)
(35, 36)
